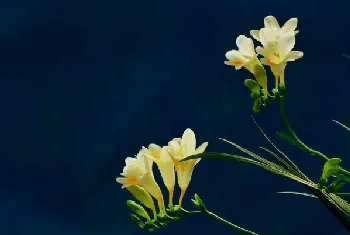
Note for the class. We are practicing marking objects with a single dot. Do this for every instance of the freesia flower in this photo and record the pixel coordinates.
(277, 53)
(138, 171)
(180, 148)
(271, 22)
(246, 57)
(165, 165)
(278, 43)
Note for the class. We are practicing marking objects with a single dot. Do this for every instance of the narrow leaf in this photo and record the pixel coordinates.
(341, 124)
(297, 193)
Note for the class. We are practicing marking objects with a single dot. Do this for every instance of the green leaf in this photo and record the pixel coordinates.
(297, 193)
(293, 167)
(252, 85)
(331, 167)
(265, 164)
(341, 124)
(283, 162)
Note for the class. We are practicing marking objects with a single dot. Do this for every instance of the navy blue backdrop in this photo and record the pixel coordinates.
(85, 84)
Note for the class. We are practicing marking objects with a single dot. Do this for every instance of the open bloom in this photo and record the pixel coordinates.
(278, 52)
(180, 148)
(271, 23)
(165, 165)
(245, 56)
(138, 171)
(278, 43)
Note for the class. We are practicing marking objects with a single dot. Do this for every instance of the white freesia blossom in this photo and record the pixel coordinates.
(277, 53)
(165, 165)
(138, 171)
(245, 56)
(277, 44)
(271, 22)
(180, 148)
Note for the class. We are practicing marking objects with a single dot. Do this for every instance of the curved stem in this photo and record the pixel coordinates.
(214, 216)
(295, 137)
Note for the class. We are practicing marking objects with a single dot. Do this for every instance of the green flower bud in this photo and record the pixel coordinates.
(138, 209)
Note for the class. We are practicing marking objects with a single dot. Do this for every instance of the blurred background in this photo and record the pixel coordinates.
(84, 84)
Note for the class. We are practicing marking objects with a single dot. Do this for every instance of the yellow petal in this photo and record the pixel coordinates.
(184, 172)
(293, 55)
(188, 142)
(289, 26)
(271, 22)
(201, 149)
(149, 183)
(245, 46)
(285, 45)
(166, 168)
(154, 150)
(255, 34)
(235, 58)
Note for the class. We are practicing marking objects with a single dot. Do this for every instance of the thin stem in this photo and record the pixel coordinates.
(291, 132)
(212, 215)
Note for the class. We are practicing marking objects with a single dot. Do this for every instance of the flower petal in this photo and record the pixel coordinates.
(201, 148)
(235, 58)
(166, 168)
(154, 150)
(293, 55)
(149, 183)
(271, 22)
(245, 46)
(255, 34)
(289, 26)
(268, 36)
(286, 44)
(188, 142)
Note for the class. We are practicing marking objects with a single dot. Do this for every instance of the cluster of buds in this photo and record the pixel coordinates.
(276, 50)
(138, 178)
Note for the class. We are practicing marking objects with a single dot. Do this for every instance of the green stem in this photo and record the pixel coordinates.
(291, 132)
(212, 215)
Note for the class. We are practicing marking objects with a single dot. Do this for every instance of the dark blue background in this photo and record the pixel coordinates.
(85, 84)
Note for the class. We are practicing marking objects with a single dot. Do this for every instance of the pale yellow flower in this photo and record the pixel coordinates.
(180, 148)
(138, 171)
(245, 56)
(271, 22)
(278, 43)
(277, 53)
(165, 165)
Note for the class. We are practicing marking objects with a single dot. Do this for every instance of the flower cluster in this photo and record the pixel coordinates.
(276, 50)
(138, 175)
